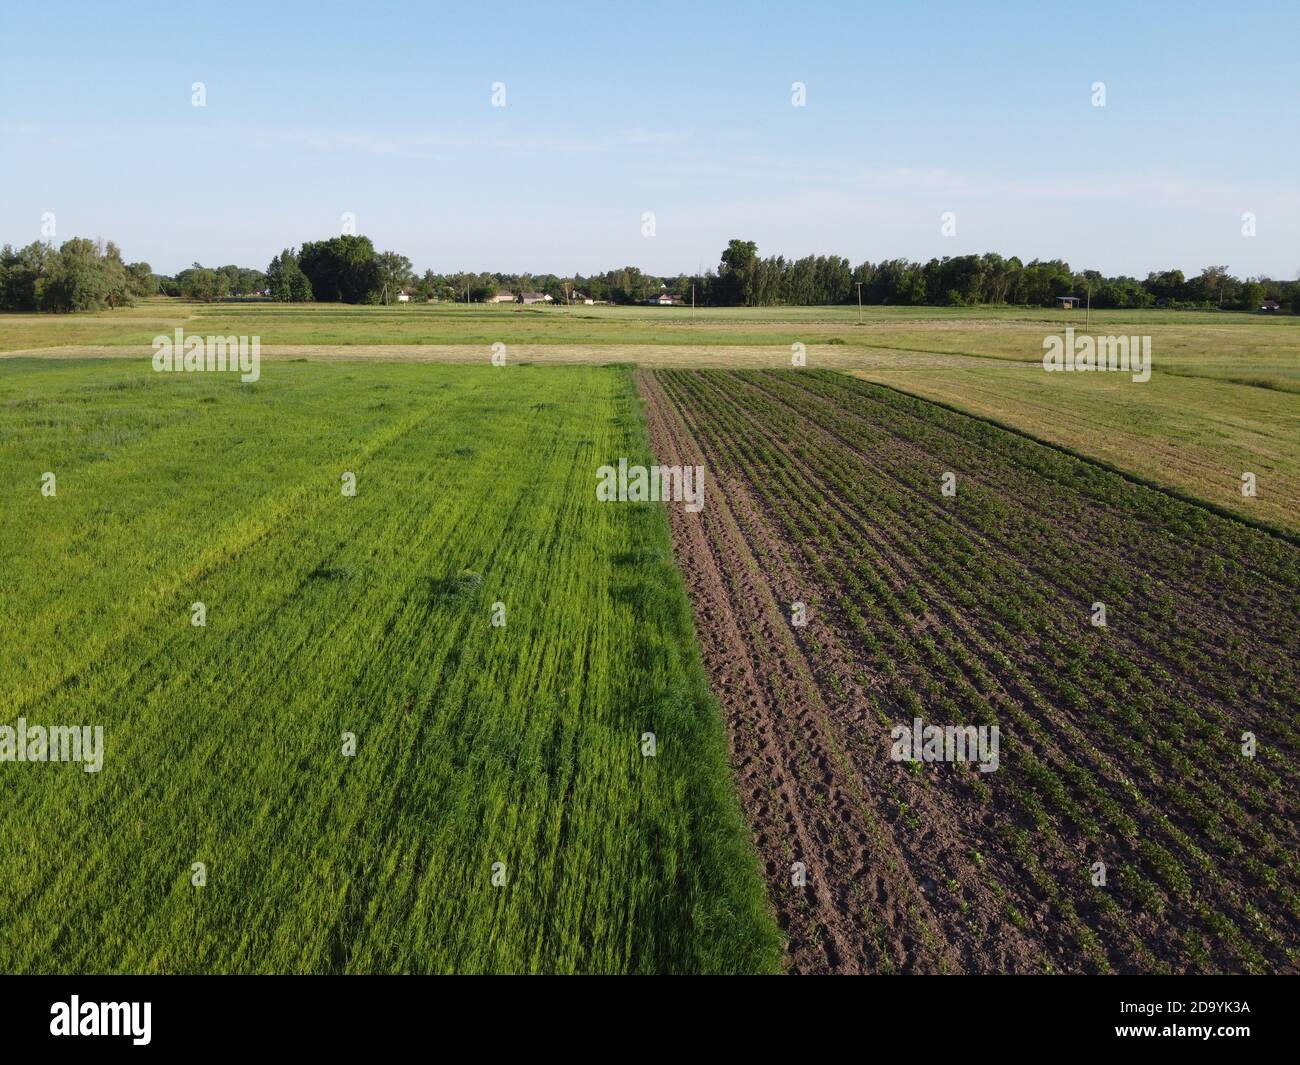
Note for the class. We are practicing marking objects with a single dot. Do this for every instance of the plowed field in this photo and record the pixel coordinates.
(1143, 812)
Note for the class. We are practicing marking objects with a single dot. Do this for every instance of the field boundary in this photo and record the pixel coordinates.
(1135, 478)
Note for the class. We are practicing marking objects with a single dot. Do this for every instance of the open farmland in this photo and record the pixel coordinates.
(1221, 401)
(780, 490)
(371, 615)
(1121, 744)
(476, 744)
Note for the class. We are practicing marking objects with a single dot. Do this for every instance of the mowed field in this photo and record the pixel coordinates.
(1121, 746)
(498, 814)
(1223, 398)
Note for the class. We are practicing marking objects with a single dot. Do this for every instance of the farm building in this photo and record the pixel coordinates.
(1270, 307)
(1067, 303)
(502, 297)
(665, 299)
(535, 297)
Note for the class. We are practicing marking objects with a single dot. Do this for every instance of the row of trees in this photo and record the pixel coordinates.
(625, 285)
(86, 275)
(80, 275)
(91, 275)
(744, 279)
(207, 284)
(347, 269)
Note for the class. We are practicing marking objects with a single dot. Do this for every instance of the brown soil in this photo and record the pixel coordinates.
(911, 868)
(807, 788)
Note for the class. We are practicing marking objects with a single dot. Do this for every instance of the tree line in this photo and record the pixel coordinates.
(80, 275)
(348, 269)
(745, 279)
(91, 275)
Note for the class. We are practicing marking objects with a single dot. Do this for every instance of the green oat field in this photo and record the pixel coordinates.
(483, 752)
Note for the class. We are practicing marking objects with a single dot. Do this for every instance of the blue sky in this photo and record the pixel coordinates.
(384, 110)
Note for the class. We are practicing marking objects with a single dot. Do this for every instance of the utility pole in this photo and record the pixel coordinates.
(859, 284)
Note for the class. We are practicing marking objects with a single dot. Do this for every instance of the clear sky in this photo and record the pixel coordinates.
(684, 110)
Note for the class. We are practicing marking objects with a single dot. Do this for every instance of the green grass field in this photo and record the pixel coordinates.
(370, 615)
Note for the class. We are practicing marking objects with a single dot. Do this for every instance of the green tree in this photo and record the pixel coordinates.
(394, 274)
(200, 283)
(285, 279)
(142, 279)
(83, 276)
(737, 273)
(1252, 294)
(1210, 286)
(341, 269)
(20, 270)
